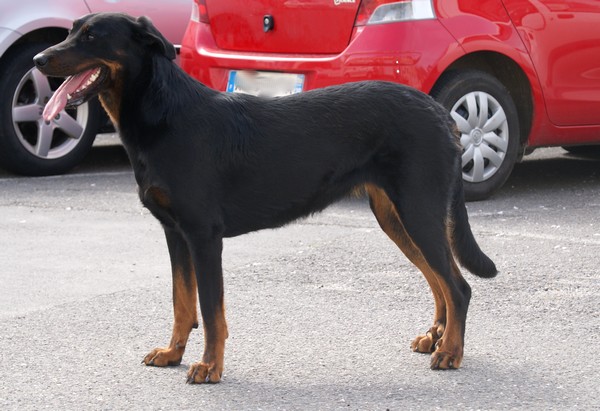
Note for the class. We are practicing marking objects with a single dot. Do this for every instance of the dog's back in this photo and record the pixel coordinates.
(287, 157)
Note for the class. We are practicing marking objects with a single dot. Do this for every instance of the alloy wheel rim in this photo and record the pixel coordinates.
(44, 140)
(484, 135)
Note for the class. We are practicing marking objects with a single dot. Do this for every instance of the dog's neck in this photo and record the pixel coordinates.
(146, 98)
(124, 80)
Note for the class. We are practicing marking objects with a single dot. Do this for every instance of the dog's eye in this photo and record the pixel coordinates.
(89, 36)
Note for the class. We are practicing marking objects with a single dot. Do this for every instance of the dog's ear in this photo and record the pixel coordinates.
(149, 35)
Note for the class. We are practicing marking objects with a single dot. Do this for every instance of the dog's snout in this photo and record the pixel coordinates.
(40, 60)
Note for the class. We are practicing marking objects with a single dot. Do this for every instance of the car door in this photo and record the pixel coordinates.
(563, 39)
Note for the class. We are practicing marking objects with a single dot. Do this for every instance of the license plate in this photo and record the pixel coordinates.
(264, 83)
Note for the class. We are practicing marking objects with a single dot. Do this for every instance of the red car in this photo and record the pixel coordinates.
(515, 74)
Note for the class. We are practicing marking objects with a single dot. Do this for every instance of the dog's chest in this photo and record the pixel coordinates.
(152, 189)
(158, 202)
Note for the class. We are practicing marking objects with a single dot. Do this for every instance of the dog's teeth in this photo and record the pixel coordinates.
(69, 97)
(90, 81)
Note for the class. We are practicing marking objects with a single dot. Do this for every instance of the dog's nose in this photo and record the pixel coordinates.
(40, 60)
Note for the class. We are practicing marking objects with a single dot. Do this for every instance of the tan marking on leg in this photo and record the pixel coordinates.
(210, 369)
(445, 337)
(185, 318)
(449, 350)
(390, 222)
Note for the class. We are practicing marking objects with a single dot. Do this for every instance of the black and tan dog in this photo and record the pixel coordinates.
(211, 165)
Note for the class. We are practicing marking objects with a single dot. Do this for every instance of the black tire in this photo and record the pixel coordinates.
(490, 140)
(28, 145)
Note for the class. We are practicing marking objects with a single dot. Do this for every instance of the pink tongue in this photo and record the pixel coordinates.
(59, 100)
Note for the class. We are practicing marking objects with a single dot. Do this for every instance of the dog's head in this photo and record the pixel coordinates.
(95, 53)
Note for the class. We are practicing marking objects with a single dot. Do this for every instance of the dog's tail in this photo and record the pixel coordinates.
(463, 242)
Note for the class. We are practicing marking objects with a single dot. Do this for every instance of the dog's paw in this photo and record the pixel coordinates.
(423, 344)
(200, 373)
(441, 360)
(162, 357)
(427, 343)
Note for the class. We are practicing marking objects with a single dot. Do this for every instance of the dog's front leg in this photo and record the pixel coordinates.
(209, 276)
(184, 302)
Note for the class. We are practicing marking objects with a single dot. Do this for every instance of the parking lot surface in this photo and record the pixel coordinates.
(321, 313)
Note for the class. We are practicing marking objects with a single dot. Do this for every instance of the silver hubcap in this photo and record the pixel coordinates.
(45, 140)
(483, 126)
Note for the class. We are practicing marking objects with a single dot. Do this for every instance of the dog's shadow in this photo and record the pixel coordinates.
(483, 383)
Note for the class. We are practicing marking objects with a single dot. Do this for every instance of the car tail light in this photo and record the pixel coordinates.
(391, 11)
(199, 11)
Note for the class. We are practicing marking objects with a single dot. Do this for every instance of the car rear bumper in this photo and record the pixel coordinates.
(414, 53)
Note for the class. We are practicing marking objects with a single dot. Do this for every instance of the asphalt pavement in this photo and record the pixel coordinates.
(321, 312)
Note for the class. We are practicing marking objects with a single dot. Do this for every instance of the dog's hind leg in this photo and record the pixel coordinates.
(388, 219)
(209, 277)
(184, 303)
(422, 238)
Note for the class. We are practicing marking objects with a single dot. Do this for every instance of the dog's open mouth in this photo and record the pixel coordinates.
(74, 90)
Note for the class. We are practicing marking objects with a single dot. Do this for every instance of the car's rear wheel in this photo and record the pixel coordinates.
(28, 144)
(488, 123)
